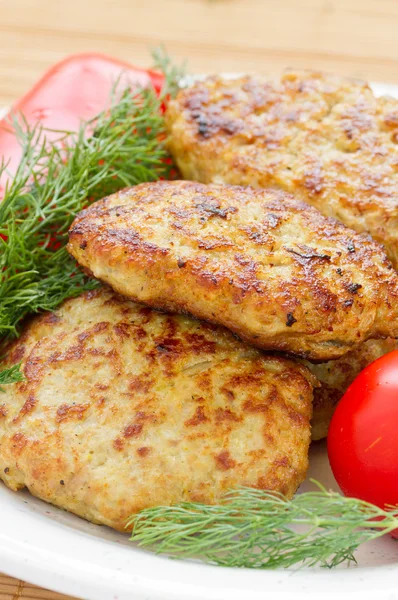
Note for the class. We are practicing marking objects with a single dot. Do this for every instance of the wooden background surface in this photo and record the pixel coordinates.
(356, 37)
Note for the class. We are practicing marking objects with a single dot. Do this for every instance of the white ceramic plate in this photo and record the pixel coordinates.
(56, 550)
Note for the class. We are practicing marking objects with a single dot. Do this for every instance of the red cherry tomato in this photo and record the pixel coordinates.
(75, 89)
(363, 438)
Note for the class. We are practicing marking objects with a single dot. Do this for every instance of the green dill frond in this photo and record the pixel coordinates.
(173, 73)
(121, 147)
(258, 529)
(11, 375)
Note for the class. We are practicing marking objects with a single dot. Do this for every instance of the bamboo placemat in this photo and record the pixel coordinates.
(14, 589)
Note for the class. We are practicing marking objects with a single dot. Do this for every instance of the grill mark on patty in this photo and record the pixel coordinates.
(197, 418)
(224, 461)
(26, 409)
(70, 412)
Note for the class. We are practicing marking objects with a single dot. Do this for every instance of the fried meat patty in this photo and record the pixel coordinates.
(270, 268)
(124, 408)
(325, 139)
(336, 376)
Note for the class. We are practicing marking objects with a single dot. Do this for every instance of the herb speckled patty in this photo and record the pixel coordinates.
(124, 408)
(267, 266)
(325, 139)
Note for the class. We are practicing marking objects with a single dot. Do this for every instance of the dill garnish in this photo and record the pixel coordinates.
(11, 375)
(264, 530)
(120, 147)
(173, 73)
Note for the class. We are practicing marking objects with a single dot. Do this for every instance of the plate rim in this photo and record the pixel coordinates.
(87, 567)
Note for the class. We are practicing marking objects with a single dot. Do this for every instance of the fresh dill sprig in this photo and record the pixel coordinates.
(172, 72)
(121, 147)
(264, 530)
(11, 375)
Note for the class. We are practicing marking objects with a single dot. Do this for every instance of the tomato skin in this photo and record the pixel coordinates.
(74, 89)
(363, 435)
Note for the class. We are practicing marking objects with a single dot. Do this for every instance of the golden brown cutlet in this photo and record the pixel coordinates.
(124, 407)
(327, 140)
(270, 268)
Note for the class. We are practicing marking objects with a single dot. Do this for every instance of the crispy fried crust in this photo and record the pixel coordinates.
(270, 268)
(325, 139)
(336, 376)
(125, 408)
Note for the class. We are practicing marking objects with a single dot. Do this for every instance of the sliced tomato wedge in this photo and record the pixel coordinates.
(73, 90)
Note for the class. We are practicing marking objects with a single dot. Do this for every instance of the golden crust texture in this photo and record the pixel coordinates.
(336, 376)
(124, 408)
(268, 267)
(325, 139)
